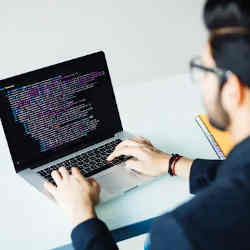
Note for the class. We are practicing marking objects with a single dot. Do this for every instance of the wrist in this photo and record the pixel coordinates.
(164, 166)
(81, 215)
(183, 167)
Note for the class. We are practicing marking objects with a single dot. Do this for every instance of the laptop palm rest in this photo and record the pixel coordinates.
(118, 180)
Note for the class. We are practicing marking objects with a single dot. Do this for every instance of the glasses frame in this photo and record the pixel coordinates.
(222, 74)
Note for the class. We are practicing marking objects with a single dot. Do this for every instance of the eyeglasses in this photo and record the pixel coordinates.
(197, 71)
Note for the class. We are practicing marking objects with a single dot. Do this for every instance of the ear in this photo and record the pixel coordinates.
(233, 92)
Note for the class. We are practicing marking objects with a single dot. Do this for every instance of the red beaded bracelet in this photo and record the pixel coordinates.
(173, 159)
(174, 164)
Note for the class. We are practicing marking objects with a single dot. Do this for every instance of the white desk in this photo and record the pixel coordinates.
(161, 110)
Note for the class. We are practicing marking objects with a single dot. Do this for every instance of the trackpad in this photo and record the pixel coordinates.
(118, 180)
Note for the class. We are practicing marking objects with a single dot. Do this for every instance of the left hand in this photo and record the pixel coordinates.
(148, 160)
(75, 194)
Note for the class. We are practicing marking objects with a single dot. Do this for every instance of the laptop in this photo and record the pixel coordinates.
(66, 115)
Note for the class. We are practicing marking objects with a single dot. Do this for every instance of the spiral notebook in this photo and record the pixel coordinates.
(220, 141)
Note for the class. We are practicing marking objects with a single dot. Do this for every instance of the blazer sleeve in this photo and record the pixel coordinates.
(92, 234)
(203, 173)
(217, 218)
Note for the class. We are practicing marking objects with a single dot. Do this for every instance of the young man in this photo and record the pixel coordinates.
(218, 216)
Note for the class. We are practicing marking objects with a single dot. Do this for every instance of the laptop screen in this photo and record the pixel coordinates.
(51, 112)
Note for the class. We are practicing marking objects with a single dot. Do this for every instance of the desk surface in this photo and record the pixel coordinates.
(163, 111)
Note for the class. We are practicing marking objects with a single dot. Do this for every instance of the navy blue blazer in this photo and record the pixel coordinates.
(217, 218)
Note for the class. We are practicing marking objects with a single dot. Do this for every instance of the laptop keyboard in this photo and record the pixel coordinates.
(89, 163)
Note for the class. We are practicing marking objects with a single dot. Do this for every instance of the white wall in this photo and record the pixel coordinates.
(143, 39)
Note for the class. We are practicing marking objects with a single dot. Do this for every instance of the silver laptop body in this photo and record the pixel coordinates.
(61, 112)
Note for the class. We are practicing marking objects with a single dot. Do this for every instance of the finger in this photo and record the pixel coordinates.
(96, 188)
(126, 143)
(56, 176)
(134, 142)
(93, 182)
(50, 187)
(77, 174)
(143, 141)
(64, 172)
(136, 152)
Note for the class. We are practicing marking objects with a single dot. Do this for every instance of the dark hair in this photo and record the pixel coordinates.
(231, 51)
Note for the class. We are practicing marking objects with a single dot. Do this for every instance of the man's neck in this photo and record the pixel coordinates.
(240, 129)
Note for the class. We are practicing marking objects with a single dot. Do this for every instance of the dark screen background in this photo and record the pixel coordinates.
(25, 150)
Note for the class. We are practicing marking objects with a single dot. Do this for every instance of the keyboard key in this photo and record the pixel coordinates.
(90, 162)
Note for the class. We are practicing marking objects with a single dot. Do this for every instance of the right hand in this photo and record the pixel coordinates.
(147, 159)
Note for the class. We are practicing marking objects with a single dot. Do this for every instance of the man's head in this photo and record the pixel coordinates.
(228, 49)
